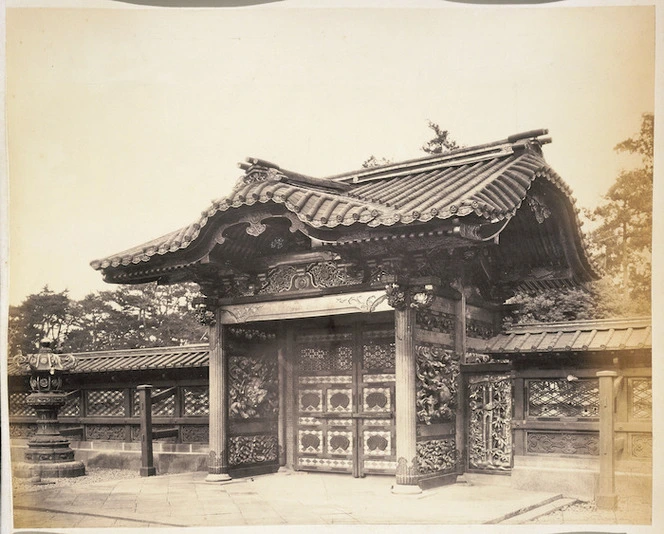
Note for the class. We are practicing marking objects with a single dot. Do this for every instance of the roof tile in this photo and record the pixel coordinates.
(598, 335)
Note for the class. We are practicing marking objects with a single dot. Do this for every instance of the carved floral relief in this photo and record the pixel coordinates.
(253, 387)
(437, 384)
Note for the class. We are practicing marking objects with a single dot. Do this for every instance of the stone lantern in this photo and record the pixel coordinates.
(48, 454)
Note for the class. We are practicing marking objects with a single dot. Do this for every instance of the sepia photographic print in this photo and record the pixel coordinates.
(404, 278)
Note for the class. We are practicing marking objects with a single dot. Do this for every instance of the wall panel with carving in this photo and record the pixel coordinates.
(436, 456)
(437, 383)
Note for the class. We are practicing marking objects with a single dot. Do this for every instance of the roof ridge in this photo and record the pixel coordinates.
(454, 157)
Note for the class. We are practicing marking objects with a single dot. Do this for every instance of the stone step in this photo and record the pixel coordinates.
(524, 516)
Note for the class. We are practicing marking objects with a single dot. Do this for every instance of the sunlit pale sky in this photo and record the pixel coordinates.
(123, 124)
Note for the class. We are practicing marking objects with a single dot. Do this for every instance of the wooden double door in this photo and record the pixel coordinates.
(345, 395)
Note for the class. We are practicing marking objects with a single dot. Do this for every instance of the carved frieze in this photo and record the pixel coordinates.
(317, 275)
(245, 450)
(586, 444)
(329, 274)
(247, 333)
(401, 296)
(479, 329)
(437, 383)
(105, 432)
(436, 456)
(435, 321)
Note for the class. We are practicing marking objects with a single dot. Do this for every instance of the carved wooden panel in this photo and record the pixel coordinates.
(105, 432)
(641, 445)
(479, 329)
(437, 383)
(195, 434)
(22, 430)
(436, 456)
(490, 422)
(435, 321)
(253, 387)
(575, 443)
(245, 450)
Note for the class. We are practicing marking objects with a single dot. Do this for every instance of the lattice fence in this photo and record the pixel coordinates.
(108, 402)
(640, 398)
(559, 397)
(196, 400)
(163, 408)
(18, 405)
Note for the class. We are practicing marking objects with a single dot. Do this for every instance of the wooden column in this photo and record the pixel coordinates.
(218, 455)
(606, 495)
(282, 399)
(145, 407)
(406, 400)
(460, 347)
(289, 398)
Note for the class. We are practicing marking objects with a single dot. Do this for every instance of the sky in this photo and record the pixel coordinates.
(124, 124)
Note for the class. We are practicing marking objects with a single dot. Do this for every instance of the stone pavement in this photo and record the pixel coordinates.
(284, 498)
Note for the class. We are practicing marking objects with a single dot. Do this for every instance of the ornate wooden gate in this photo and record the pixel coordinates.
(345, 401)
(489, 422)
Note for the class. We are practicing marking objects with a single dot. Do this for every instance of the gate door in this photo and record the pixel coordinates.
(345, 401)
(489, 422)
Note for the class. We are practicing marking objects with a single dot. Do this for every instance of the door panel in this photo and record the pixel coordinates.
(345, 401)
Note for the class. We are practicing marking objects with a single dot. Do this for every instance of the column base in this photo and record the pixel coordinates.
(404, 489)
(606, 502)
(148, 471)
(218, 478)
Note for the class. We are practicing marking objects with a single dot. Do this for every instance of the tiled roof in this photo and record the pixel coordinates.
(135, 359)
(490, 181)
(598, 335)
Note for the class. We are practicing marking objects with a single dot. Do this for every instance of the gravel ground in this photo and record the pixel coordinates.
(92, 476)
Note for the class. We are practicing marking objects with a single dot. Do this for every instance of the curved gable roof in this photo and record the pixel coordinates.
(489, 182)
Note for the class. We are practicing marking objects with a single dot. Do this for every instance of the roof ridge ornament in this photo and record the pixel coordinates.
(259, 170)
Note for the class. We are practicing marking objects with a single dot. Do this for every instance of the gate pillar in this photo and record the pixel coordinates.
(606, 496)
(218, 425)
(406, 400)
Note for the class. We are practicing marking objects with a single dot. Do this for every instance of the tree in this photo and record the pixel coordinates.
(128, 317)
(441, 142)
(42, 315)
(622, 242)
(624, 232)
(373, 161)
(595, 300)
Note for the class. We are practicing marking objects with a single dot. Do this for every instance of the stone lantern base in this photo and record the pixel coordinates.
(40, 470)
(48, 454)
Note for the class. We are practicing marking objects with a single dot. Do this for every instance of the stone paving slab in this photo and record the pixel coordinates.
(291, 498)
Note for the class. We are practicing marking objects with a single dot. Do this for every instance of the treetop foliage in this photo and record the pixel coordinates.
(140, 316)
(441, 142)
